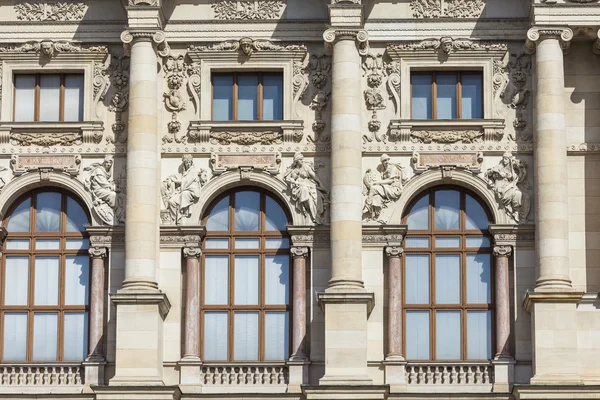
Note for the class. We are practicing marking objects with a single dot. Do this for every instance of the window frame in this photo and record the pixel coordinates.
(235, 93)
(231, 234)
(459, 74)
(37, 106)
(30, 308)
(432, 307)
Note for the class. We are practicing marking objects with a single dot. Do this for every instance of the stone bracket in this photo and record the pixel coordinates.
(550, 297)
(367, 298)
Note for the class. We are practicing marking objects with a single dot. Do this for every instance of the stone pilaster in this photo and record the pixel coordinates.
(298, 362)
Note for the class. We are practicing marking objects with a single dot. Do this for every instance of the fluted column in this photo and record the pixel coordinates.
(98, 256)
(346, 160)
(191, 349)
(299, 255)
(550, 158)
(394, 254)
(501, 254)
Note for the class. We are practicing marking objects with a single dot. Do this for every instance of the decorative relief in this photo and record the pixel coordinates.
(519, 95)
(248, 9)
(299, 83)
(21, 164)
(107, 194)
(174, 101)
(454, 136)
(448, 45)
(246, 138)
(446, 162)
(119, 79)
(45, 139)
(502, 251)
(374, 70)
(509, 182)
(320, 76)
(180, 194)
(52, 11)
(245, 163)
(306, 190)
(248, 46)
(49, 48)
(393, 84)
(143, 2)
(382, 188)
(447, 8)
(194, 84)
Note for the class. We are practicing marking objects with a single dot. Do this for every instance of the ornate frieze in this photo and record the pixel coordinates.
(453, 136)
(248, 9)
(49, 48)
(107, 193)
(246, 138)
(119, 79)
(447, 8)
(450, 132)
(448, 45)
(46, 139)
(248, 46)
(21, 163)
(50, 11)
(245, 163)
(180, 193)
(446, 162)
(382, 188)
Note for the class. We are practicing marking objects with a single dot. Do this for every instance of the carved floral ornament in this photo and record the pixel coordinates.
(248, 9)
(50, 11)
(248, 46)
(448, 45)
(447, 8)
(49, 48)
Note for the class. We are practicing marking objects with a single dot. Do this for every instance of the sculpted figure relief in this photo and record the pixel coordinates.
(180, 192)
(382, 187)
(508, 179)
(106, 194)
(306, 189)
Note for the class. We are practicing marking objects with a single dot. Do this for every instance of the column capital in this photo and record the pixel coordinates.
(536, 33)
(502, 251)
(394, 251)
(360, 36)
(98, 252)
(299, 251)
(158, 37)
(192, 252)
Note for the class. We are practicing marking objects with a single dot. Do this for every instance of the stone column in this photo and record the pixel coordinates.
(394, 255)
(191, 348)
(501, 254)
(550, 158)
(98, 256)
(299, 255)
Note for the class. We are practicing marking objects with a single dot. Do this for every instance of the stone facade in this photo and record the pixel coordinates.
(147, 160)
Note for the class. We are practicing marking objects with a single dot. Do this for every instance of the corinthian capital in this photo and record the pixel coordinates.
(394, 251)
(502, 251)
(360, 36)
(535, 34)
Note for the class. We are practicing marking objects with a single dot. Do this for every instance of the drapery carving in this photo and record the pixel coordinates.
(106, 192)
(180, 193)
(382, 188)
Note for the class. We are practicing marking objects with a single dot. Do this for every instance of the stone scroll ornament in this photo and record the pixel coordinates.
(382, 188)
(509, 182)
(306, 190)
(180, 193)
(106, 193)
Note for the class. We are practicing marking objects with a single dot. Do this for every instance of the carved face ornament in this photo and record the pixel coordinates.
(47, 48)
(246, 46)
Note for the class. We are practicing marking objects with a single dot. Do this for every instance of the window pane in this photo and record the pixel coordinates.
(47, 217)
(446, 95)
(447, 279)
(411, 243)
(24, 97)
(282, 243)
(447, 325)
(275, 217)
(15, 336)
(478, 241)
(246, 280)
(272, 97)
(472, 103)
(49, 97)
(222, 97)
(447, 209)
(17, 244)
(19, 219)
(75, 341)
(418, 218)
(216, 280)
(277, 336)
(16, 281)
(478, 279)
(417, 335)
(47, 244)
(217, 243)
(46, 281)
(417, 279)
(479, 335)
(45, 336)
(421, 96)
(77, 280)
(73, 97)
(247, 243)
(245, 336)
(476, 216)
(247, 97)
(77, 244)
(277, 279)
(447, 241)
(76, 217)
(218, 220)
(247, 211)
(215, 336)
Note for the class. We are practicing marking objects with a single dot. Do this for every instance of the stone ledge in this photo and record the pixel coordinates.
(137, 392)
(367, 298)
(158, 298)
(556, 392)
(348, 392)
(551, 297)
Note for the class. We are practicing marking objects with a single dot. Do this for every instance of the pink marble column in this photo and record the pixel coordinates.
(98, 254)
(501, 254)
(191, 350)
(394, 254)
(299, 254)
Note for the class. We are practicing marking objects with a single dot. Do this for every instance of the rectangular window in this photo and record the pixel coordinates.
(247, 96)
(48, 98)
(447, 95)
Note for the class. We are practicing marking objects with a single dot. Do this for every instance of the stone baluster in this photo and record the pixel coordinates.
(98, 256)
(191, 347)
(502, 254)
(299, 255)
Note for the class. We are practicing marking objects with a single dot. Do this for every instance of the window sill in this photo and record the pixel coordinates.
(46, 134)
(246, 133)
(465, 131)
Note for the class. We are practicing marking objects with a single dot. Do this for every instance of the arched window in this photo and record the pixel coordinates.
(245, 294)
(447, 293)
(45, 280)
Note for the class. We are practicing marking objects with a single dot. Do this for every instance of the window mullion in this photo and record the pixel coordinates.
(260, 97)
(235, 96)
(61, 109)
(36, 107)
(434, 96)
(459, 95)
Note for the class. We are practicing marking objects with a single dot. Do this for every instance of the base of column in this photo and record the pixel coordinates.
(134, 284)
(553, 285)
(504, 374)
(190, 371)
(94, 371)
(395, 373)
(357, 392)
(297, 374)
(345, 285)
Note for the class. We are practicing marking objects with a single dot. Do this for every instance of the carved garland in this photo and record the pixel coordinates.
(320, 74)
(248, 10)
(55, 11)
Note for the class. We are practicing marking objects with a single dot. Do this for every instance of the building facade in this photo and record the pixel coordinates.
(299, 199)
